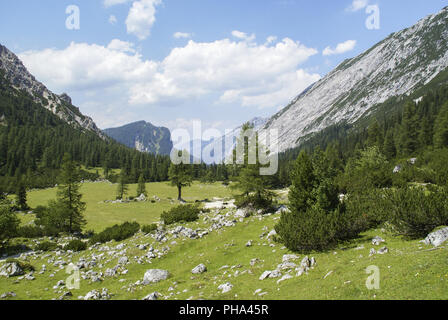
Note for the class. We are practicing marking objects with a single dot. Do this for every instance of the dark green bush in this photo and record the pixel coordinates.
(415, 212)
(31, 232)
(367, 209)
(116, 232)
(182, 213)
(149, 228)
(76, 246)
(47, 246)
(307, 231)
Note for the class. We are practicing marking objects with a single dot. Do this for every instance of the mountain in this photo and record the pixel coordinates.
(37, 127)
(398, 66)
(198, 147)
(144, 137)
(61, 105)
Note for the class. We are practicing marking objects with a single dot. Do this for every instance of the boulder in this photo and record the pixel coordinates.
(199, 269)
(265, 275)
(155, 275)
(377, 241)
(152, 296)
(242, 213)
(226, 287)
(437, 238)
(11, 269)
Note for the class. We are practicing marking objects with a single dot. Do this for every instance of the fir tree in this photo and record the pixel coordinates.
(181, 176)
(21, 196)
(141, 187)
(122, 188)
(68, 194)
(441, 128)
(390, 151)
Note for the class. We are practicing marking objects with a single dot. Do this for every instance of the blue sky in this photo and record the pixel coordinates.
(170, 62)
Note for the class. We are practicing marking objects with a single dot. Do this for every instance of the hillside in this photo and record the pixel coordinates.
(37, 127)
(61, 105)
(397, 66)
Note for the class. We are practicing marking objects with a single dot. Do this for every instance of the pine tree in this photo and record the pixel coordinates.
(303, 181)
(441, 128)
(390, 151)
(141, 187)
(122, 188)
(409, 130)
(180, 176)
(21, 196)
(68, 194)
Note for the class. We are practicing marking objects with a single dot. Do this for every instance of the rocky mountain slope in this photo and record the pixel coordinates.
(144, 137)
(398, 65)
(61, 105)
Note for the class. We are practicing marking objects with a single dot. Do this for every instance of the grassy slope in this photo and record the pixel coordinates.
(100, 215)
(408, 271)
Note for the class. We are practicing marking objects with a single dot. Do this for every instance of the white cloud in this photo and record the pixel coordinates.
(270, 39)
(112, 19)
(113, 81)
(110, 3)
(357, 5)
(182, 35)
(121, 46)
(340, 48)
(141, 18)
(243, 36)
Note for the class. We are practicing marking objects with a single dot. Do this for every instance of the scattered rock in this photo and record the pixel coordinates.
(152, 296)
(11, 269)
(226, 287)
(377, 241)
(242, 213)
(6, 295)
(98, 295)
(437, 238)
(289, 257)
(328, 274)
(285, 277)
(249, 243)
(199, 269)
(155, 275)
(265, 275)
(383, 250)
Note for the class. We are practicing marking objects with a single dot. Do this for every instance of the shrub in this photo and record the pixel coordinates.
(31, 232)
(182, 213)
(8, 222)
(307, 231)
(76, 246)
(367, 209)
(116, 232)
(149, 228)
(47, 246)
(415, 212)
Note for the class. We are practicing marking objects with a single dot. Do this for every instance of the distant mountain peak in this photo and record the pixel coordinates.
(143, 136)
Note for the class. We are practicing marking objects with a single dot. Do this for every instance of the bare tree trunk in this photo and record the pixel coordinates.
(179, 189)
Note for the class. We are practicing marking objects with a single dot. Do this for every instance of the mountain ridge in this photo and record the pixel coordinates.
(61, 105)
(398, 65)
